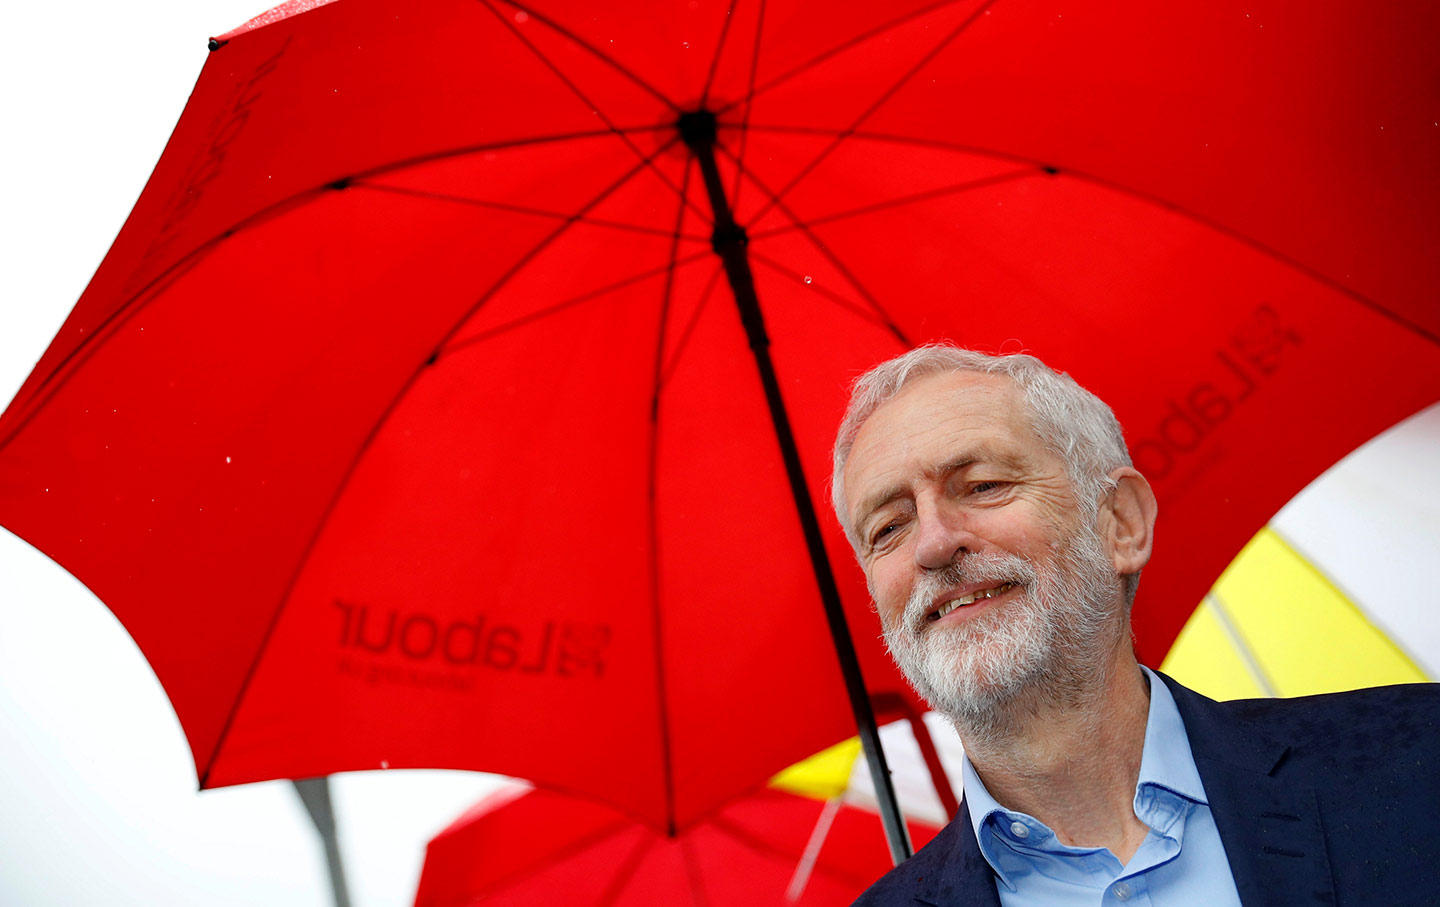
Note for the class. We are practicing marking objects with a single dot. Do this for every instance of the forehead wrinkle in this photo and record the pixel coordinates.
(986, 402)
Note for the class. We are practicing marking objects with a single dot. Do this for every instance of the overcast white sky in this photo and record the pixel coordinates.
(97, 798)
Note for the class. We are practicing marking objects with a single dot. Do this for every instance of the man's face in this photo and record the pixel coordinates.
(987, 576)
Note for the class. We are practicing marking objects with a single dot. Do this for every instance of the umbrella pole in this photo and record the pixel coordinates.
(315, 794)
(728, 240)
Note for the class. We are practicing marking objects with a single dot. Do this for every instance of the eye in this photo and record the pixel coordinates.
(886, 530)
(988, 489)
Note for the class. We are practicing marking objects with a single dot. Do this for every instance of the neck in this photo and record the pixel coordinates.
(1069, 755)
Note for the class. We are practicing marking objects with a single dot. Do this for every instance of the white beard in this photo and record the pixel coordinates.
(1048, 641)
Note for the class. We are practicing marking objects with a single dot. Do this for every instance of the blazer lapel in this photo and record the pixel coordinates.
(957, 874)
(1271, 830)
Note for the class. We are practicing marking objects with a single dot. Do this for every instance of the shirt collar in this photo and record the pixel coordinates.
(1165, 761)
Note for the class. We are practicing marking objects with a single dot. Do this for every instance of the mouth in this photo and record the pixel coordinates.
(961, 601)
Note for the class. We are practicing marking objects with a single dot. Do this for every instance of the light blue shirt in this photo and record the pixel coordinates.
(1180, 863)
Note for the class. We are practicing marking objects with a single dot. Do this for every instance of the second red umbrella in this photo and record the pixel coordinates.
(768, 848)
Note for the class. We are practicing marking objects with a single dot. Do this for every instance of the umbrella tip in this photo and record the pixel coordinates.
(216, 44)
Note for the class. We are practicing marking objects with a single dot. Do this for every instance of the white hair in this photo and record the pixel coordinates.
(1071, 422)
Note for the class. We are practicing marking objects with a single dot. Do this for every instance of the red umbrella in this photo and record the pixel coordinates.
(767, 848)
(409, 420)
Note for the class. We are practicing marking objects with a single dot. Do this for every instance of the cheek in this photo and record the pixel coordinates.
(889, 589)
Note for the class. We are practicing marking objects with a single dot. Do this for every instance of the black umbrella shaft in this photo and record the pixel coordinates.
(729, 242)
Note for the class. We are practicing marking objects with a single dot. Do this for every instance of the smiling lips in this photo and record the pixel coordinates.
(963, 600)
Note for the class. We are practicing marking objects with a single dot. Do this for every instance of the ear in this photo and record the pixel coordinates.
(1130, 529)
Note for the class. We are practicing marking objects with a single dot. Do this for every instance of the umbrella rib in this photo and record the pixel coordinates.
(879, 102)
(901, 140)
(585, 99)
(558, 307)
(652, 471)
(694, 319)
(1353, 295)
(1242, 648)
(522, 209)
(835, 51)
(813, 846)
(627, 870)
(582, 43)
(146, 294)
(719, 49)
(829, 256)
(850, 306)
(745, 117)
(380, 422)
(506, 145)
(954, 189)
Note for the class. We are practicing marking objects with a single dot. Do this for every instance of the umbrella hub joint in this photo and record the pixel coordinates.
(698, 129)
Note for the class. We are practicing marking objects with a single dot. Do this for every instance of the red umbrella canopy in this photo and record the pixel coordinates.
(410, 420)
(766, 848)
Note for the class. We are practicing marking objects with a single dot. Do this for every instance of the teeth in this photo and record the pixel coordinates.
(970, 599)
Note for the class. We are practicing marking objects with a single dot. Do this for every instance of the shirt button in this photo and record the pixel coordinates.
(1019, 830)
(1122, 891)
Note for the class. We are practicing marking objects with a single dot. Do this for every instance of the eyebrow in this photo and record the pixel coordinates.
(889, 493)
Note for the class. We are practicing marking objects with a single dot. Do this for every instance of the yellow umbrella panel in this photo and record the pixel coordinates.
(1335, 593)
(1274, 625)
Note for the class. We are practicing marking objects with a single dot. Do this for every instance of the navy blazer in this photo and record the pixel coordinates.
(1330, 799)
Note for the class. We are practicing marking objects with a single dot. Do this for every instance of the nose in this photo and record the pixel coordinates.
(943, 535)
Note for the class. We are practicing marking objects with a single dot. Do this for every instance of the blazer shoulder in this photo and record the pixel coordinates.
(1410, 709)
(1389, 730)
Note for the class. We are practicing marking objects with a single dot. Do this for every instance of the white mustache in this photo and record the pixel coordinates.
(972, 568)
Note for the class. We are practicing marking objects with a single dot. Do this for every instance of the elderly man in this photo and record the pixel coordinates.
(1002, 530)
